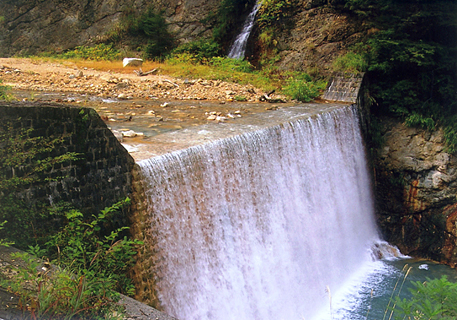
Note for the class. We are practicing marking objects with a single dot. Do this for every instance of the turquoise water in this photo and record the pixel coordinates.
(367, 295)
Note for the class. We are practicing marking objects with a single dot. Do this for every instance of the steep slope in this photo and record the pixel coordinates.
(313, 36)
(32, 26)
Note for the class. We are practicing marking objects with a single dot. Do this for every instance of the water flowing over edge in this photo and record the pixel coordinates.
(257, 226)
(237, 51)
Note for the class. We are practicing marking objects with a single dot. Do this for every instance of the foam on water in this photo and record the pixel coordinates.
(353, 300)
(257, 226)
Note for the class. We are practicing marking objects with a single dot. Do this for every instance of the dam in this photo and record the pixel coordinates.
(264, 217)
(256, 221)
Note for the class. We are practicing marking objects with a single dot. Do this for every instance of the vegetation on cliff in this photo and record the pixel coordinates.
(273, 17)
(411, 60)
(151, 27)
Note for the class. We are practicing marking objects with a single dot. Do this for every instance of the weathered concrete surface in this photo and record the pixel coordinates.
(344, 88)
(416, 188)
(206, 133)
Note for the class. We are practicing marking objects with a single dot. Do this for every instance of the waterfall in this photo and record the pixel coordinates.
(238, 48)
(259, 225)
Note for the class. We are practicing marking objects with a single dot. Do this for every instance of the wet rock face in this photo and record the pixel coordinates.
(416, 188)
(53, 25)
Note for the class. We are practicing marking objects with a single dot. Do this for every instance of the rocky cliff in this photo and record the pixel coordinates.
(32, 26)
(318, 32)
(315, 34)
(416, 188)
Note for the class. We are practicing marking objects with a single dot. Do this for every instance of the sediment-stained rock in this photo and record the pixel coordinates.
(416, 188)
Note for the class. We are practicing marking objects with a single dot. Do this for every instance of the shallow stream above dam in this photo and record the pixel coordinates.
(162, 126)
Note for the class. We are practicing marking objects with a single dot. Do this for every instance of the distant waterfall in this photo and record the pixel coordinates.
(238, 48)
(257, 226)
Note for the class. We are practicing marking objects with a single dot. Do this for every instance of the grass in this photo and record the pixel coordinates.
(350, 62)
(198, 60)
(4, 92)
(89, 270)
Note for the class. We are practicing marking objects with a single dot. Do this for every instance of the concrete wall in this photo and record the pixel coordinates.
(103, 174)
(344, 88)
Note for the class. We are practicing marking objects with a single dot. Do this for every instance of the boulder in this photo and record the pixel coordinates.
(132, 62)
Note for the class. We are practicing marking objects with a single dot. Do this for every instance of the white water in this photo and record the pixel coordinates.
(257, 226)
(238, 48)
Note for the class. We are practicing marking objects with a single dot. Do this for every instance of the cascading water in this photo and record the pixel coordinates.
(257, 226)
(238, 48)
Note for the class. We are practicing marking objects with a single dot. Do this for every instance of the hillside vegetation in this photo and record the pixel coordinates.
(409, 51)
(411, 60)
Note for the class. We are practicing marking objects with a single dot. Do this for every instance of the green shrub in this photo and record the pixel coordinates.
(240, 98)
(201, 50)
(85, 247)
(4, 92)
(433, 299)
(450, 133)
(25, 160)
(93, 258)
(266, 38)
(274, 12)
(182, 58)
(3, 242)
(351, 62)
(273, 17)
(97, 53)
(411, 64)
(301, 88)
(417, 120)
(152, 28)
(91, 269)
(227, 64)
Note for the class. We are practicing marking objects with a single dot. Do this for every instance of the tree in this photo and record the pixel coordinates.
(412, 58)
(152, 26)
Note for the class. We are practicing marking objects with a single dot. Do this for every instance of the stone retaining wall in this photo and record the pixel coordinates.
(102, 175)
(344, 88)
